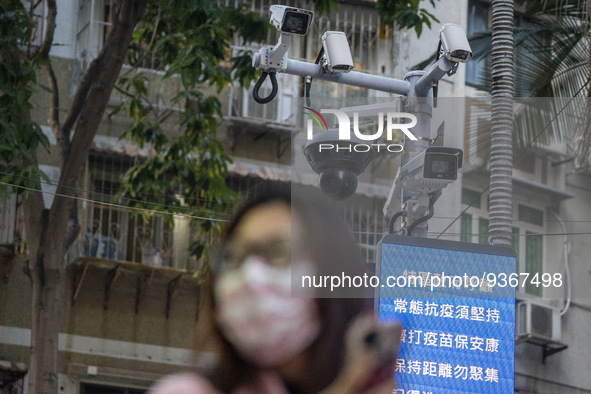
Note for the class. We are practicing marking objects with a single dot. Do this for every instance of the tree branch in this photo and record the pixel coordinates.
(91, 110)
(81, 96)
(54, 101)
(48, 39)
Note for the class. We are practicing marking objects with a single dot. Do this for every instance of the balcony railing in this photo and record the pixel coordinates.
(9, 221)
(122, 234)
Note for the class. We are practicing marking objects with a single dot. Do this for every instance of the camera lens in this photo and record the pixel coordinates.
(440, 166)
(295, 23)
(460, 54)
(338, 183)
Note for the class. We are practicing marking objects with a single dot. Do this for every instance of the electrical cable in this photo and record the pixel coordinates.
(257, 86)
(565, 250)
(435, 84)
(308, 79)
(476, 234)
(423, 219)
(319, 56)
(113, 205)
(527, 235)
(78, 190)
(392, 221)
(307, 87)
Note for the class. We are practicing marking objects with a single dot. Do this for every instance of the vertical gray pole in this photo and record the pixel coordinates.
(419, 104)
(501, 155)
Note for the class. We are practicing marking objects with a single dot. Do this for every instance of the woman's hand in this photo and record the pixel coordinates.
(371, 348)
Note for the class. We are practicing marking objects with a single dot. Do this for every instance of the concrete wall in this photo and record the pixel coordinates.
(118, 344)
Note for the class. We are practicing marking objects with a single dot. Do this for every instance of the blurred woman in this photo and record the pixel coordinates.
(273, 342)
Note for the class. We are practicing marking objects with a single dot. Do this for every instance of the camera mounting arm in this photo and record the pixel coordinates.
(270, 59)
(273, 58)
(438, 70)
(316, 71)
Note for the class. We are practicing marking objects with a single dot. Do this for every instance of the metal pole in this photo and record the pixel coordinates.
(501, 151)
(418, 102)
(353, 78)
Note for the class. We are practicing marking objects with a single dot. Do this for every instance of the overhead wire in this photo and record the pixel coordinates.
(79, 189)
(477, 235)
(113, 205)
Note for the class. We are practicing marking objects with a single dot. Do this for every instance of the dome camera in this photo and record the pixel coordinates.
(338, 162)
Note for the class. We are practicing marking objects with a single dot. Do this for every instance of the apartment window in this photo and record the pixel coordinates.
(9, 220)
(531, 215)
(94, 23)
(483, 231)
(526, 163)
(471, 198)
(526, 53)
(477, 23)
(368, 224)
(527, 236)
(477, 139)
(466, 228)
(531, 225)
(12, 378)
(515, 239)
(116, 232)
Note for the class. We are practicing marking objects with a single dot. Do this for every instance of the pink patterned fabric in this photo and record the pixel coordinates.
(187, 383)
(183, 383)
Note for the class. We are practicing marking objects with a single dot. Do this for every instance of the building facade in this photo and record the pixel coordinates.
(131, 304)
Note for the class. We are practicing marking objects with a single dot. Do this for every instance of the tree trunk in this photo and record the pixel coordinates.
(501, 155)
(45, 327)
(47, 230)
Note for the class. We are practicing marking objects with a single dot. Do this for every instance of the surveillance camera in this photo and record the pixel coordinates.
(291, 20)
(454, 43)
(337, 53)
(338, 162)
(431, 170)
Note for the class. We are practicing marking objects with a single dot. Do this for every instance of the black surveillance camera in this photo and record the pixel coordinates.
(338, 162)
(431, 170)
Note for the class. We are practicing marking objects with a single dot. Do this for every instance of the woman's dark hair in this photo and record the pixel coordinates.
(328, 241)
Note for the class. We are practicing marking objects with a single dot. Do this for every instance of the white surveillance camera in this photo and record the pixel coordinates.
(337, 53)
(454, 43)
(290, 19)
(431, 170)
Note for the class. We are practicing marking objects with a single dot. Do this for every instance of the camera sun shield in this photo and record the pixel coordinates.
(291, 20)
(454, 43)
(337, 53)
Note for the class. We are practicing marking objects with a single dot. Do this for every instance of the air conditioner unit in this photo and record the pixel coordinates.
(538, 322)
